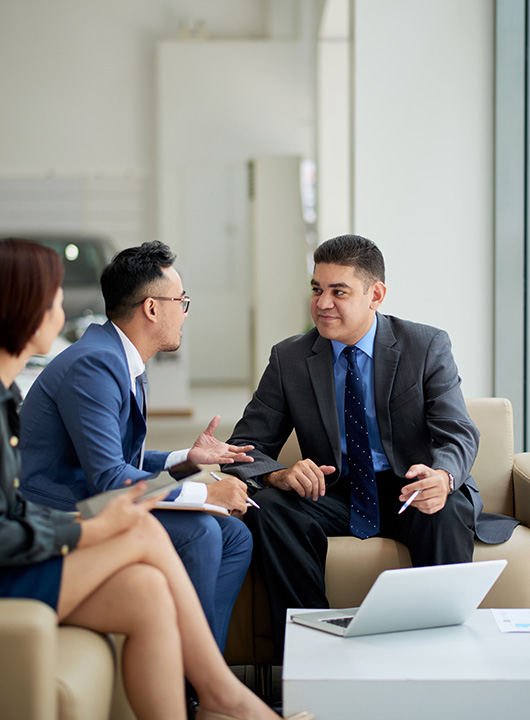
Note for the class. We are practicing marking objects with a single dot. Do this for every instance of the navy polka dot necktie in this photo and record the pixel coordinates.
(364, 511)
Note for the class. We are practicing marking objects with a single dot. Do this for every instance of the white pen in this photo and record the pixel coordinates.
(408, 501)
(250, 501)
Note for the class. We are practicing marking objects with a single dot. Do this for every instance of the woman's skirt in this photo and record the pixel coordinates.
(40, 581)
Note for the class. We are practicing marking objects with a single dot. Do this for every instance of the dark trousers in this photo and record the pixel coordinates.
(216, 552)
(290, 540)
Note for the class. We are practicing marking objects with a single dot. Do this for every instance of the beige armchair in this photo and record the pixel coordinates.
(49, 672)
(353, 565)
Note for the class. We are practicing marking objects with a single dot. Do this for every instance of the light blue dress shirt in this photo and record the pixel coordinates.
(365, 361)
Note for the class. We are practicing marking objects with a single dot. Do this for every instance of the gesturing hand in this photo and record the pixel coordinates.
(208, 450)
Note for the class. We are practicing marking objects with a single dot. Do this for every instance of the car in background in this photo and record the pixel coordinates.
(84, 257)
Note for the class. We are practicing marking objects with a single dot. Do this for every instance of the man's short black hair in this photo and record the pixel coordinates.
(355, 250)
(127, 277)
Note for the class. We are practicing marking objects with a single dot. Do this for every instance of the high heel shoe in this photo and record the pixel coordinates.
(211, 715)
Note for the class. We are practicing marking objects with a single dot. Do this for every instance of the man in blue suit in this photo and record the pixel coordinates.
(83, 426)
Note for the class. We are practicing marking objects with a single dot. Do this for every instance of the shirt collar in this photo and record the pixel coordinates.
(366, 343)
(134, 359)
(11, 393)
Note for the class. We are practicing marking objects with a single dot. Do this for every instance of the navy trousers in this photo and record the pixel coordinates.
(216, 552)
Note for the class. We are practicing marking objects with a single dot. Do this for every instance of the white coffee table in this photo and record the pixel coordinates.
(468, 671)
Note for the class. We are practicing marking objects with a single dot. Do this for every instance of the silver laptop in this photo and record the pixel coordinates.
(412, 599)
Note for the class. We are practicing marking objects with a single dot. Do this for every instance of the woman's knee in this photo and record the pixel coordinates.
(149, 593)
(149, 532)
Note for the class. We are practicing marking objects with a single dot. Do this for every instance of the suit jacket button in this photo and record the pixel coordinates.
(16, 483)
(13, 441)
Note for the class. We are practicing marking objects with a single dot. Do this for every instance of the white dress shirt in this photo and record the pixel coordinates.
(191, 491)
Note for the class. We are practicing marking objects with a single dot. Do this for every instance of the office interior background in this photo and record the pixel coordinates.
(243, 132)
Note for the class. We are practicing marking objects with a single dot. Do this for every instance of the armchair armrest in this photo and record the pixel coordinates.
(28, 658)
(521, 487)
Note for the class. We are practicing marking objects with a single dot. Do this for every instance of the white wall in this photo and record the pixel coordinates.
(334, 127)
(247, 99)
(78, 99)
(77, 77)
(423, 164)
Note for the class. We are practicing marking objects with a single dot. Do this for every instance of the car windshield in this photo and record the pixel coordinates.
(83, 260)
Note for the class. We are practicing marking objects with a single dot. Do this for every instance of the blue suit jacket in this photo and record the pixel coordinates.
(81, 427)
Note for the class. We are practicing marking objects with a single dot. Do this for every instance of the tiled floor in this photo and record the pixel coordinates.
(274, 694)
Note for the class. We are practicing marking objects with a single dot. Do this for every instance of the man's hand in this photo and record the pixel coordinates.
(305, 477)
(209, 451)
(434, 486)
(230, 493)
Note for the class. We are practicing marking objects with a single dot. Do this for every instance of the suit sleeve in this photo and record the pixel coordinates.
(90, 401)
(33, 533)
(453, 434)
(266, 424)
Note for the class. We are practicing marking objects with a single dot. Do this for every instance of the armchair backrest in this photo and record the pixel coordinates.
(493, 466)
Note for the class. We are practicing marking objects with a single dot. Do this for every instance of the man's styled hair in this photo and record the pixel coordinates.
(128, 277)
(359, 252)
(30, 275)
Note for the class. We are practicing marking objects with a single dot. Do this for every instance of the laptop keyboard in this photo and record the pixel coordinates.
(341, 622)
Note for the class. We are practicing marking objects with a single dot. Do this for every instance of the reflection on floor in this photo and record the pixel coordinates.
(273, 695)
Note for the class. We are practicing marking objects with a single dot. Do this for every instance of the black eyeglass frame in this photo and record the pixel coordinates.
(184, 300)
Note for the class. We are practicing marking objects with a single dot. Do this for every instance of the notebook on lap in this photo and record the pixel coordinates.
(412, 599)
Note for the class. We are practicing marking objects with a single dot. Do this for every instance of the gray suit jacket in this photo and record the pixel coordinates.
(420, 408)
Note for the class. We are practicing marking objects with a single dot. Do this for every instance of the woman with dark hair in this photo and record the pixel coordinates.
(117, 572)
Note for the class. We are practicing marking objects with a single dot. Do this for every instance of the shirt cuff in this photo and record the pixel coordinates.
(175, 457)
(195, 492)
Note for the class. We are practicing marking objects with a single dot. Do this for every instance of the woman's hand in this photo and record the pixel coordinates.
(118, 515)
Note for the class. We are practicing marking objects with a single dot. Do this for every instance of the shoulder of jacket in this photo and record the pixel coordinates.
(306, 339)
(409, 327)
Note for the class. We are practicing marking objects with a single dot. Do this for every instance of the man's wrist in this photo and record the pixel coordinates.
(450, 480)
(267, 478)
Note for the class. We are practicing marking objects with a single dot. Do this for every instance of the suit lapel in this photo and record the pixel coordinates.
(320, 368)
(386, 360)
(132, 447)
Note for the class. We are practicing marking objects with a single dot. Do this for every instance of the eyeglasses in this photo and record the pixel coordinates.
(184, 300)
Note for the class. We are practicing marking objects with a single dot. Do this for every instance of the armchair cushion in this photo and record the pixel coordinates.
(49, 672)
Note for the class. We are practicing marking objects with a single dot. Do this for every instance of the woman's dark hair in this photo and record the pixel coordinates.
(30, 275)
(354, 250)
(130, 273)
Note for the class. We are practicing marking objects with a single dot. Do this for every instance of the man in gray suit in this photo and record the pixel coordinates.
(379, 415)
